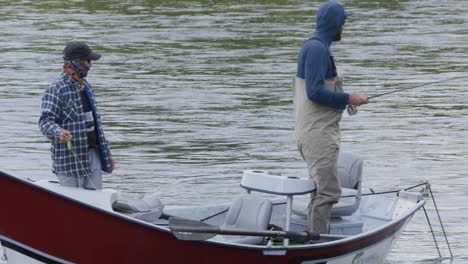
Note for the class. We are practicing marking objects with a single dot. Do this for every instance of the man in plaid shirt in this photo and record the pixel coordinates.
(69, 113)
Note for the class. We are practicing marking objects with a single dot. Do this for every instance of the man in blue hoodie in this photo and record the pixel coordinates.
(319, 101)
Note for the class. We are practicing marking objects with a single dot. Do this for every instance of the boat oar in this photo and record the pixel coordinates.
(186, 229)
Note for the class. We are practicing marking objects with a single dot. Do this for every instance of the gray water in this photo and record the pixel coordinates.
(194, 92)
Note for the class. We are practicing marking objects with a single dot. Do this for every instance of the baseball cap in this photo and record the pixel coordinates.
(79, 50)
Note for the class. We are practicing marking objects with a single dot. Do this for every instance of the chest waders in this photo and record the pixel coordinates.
(318, 140)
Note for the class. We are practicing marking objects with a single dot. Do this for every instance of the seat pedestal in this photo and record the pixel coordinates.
(266, 182)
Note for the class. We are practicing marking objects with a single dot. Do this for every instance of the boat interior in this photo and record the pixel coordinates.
(271, 202)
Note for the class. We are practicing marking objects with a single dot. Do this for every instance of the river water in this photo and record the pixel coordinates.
(194, 92)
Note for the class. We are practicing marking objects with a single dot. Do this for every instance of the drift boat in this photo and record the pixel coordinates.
(43, 222)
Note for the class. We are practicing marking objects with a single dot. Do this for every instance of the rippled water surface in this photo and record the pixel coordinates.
(194, 92)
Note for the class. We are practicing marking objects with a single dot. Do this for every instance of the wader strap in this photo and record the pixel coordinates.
(332, 59)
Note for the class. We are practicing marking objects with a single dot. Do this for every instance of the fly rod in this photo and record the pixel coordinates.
(352, 109)
(417, 86)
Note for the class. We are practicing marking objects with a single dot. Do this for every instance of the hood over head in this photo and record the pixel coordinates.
(330, 17)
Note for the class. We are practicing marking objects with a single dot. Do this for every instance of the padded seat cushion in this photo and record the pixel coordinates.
(149, 208)
(248, 212)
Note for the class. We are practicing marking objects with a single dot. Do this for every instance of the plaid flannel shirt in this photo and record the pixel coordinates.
(62, 108)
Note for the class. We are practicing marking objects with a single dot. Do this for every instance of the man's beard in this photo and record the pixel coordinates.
(338, 35)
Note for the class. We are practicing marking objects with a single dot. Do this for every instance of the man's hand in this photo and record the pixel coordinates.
(65, 136)
(112, 163)
(357, 99)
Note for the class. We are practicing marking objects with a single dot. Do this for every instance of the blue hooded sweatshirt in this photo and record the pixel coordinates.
(315, 61)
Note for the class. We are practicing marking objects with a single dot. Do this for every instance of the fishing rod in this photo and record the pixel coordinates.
(352, 109)
(417, 86)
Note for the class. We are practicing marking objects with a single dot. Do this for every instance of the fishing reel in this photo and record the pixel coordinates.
(351, 109)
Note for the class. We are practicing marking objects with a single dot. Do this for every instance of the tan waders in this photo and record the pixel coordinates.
(318, 141)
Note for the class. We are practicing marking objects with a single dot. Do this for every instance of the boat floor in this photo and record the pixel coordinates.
(371, 214)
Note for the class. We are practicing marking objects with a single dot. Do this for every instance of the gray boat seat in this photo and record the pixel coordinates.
(148, 208)
(248, 212)
(350, 176)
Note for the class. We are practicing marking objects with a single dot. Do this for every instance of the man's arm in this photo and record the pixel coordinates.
(316, 65)
(50, 112)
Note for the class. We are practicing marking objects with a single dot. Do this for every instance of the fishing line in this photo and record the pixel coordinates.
(352, 109)
(386, 192)
(78, 161)
(70, 148)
